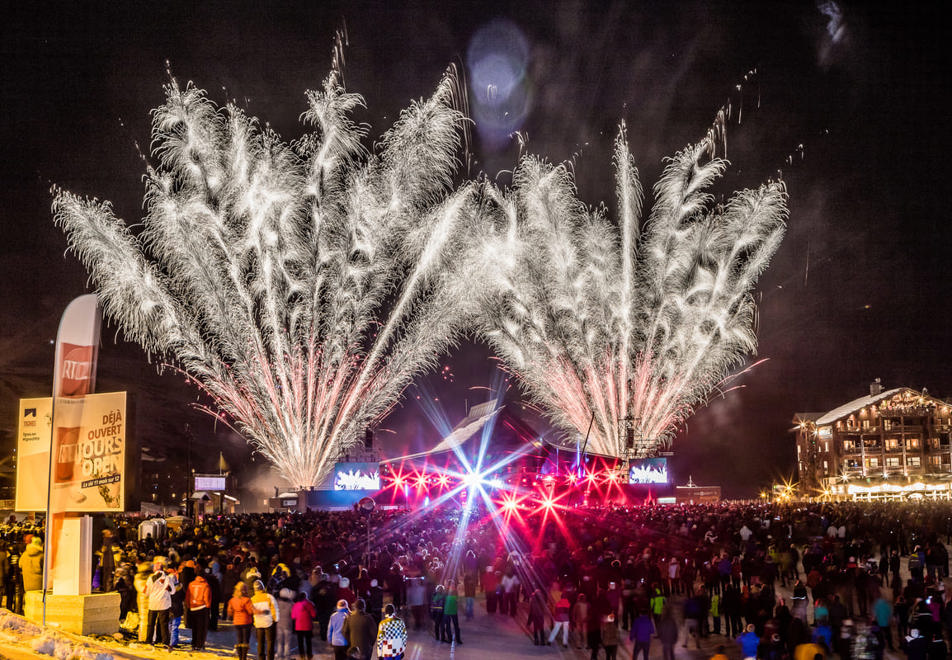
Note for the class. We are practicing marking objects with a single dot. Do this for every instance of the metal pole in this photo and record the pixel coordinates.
(49, 527)
(585, 444)
(367, 558)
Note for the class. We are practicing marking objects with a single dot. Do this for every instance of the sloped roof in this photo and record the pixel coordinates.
(856, 404)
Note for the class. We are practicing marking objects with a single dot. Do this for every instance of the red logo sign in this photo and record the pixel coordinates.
(75, 369)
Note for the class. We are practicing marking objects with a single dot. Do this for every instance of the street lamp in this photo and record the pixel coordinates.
(366, 505)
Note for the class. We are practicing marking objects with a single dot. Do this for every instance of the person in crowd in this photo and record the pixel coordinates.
(4, 572)
(416, 600)
(657, 603)
(241, 613)
(536, 620)
(284, 632)
(335, 630)
(642, 630)
(198, 602)
(303, 614)
(250, 573)
(883, 616)
(344, 592)
(469, 592)
(13, 579)
(437, 601)
(360, 630)
(142, 597)
(324, 599)
(609, 637)
(123, 584)
(692, 620)
(510, 593)
(715, 612)
(214, 587)
(177, 611)
(808, 650)
(106, 556)
(491, 579)
(375, 600)
(668, 633)
(265, 608)
(31, 566)
(159, 588)
(748, 642)
(593, 627)
(580, 614)
(560, 620)
(451, 616)
(916, 645)
(391, 635)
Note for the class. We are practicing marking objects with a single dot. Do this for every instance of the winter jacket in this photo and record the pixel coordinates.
(31, 565)
(668, 631)
(199, 595)
(284, 609)
(142, 602)
(610, 633)
(642, 629)
(451, 605)
(303, 614)
(391, 638)
(748, 644)
(159, 589)
(265, 609)
(360, 630)
(240, 611)
(335, 628)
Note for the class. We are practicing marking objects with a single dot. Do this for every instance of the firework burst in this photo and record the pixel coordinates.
(617, 330)
(300, 284)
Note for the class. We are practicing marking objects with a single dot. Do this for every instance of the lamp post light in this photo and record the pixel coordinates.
(366, 505)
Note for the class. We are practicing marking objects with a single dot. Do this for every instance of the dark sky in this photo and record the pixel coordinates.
(858, 290)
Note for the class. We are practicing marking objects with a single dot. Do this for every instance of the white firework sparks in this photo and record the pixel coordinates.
(618, 331)
(301, 285)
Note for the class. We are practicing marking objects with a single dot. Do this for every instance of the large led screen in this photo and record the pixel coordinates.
(357, 476)
(648, 471)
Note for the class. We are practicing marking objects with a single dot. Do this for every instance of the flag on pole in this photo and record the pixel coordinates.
(74, 376)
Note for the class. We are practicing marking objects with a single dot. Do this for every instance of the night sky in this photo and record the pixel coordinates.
(859, 289)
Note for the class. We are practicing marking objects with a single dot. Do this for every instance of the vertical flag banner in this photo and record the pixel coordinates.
(74, 375)
(77, 348)
(34, 430)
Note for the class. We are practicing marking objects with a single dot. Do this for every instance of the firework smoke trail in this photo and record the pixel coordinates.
(630, 326)
(301, 285)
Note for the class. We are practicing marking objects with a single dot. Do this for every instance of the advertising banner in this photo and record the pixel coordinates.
(34, 430)
(210, 482)
(89, 469)
(89, 466)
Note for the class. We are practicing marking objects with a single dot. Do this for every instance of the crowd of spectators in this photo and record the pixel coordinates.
(771, 581)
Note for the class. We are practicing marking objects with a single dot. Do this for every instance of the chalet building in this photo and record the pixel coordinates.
(892, 444)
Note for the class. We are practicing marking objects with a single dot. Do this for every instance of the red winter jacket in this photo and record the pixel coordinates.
(199, 594)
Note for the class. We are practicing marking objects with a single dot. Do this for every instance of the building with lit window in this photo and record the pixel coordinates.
(891, 444)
